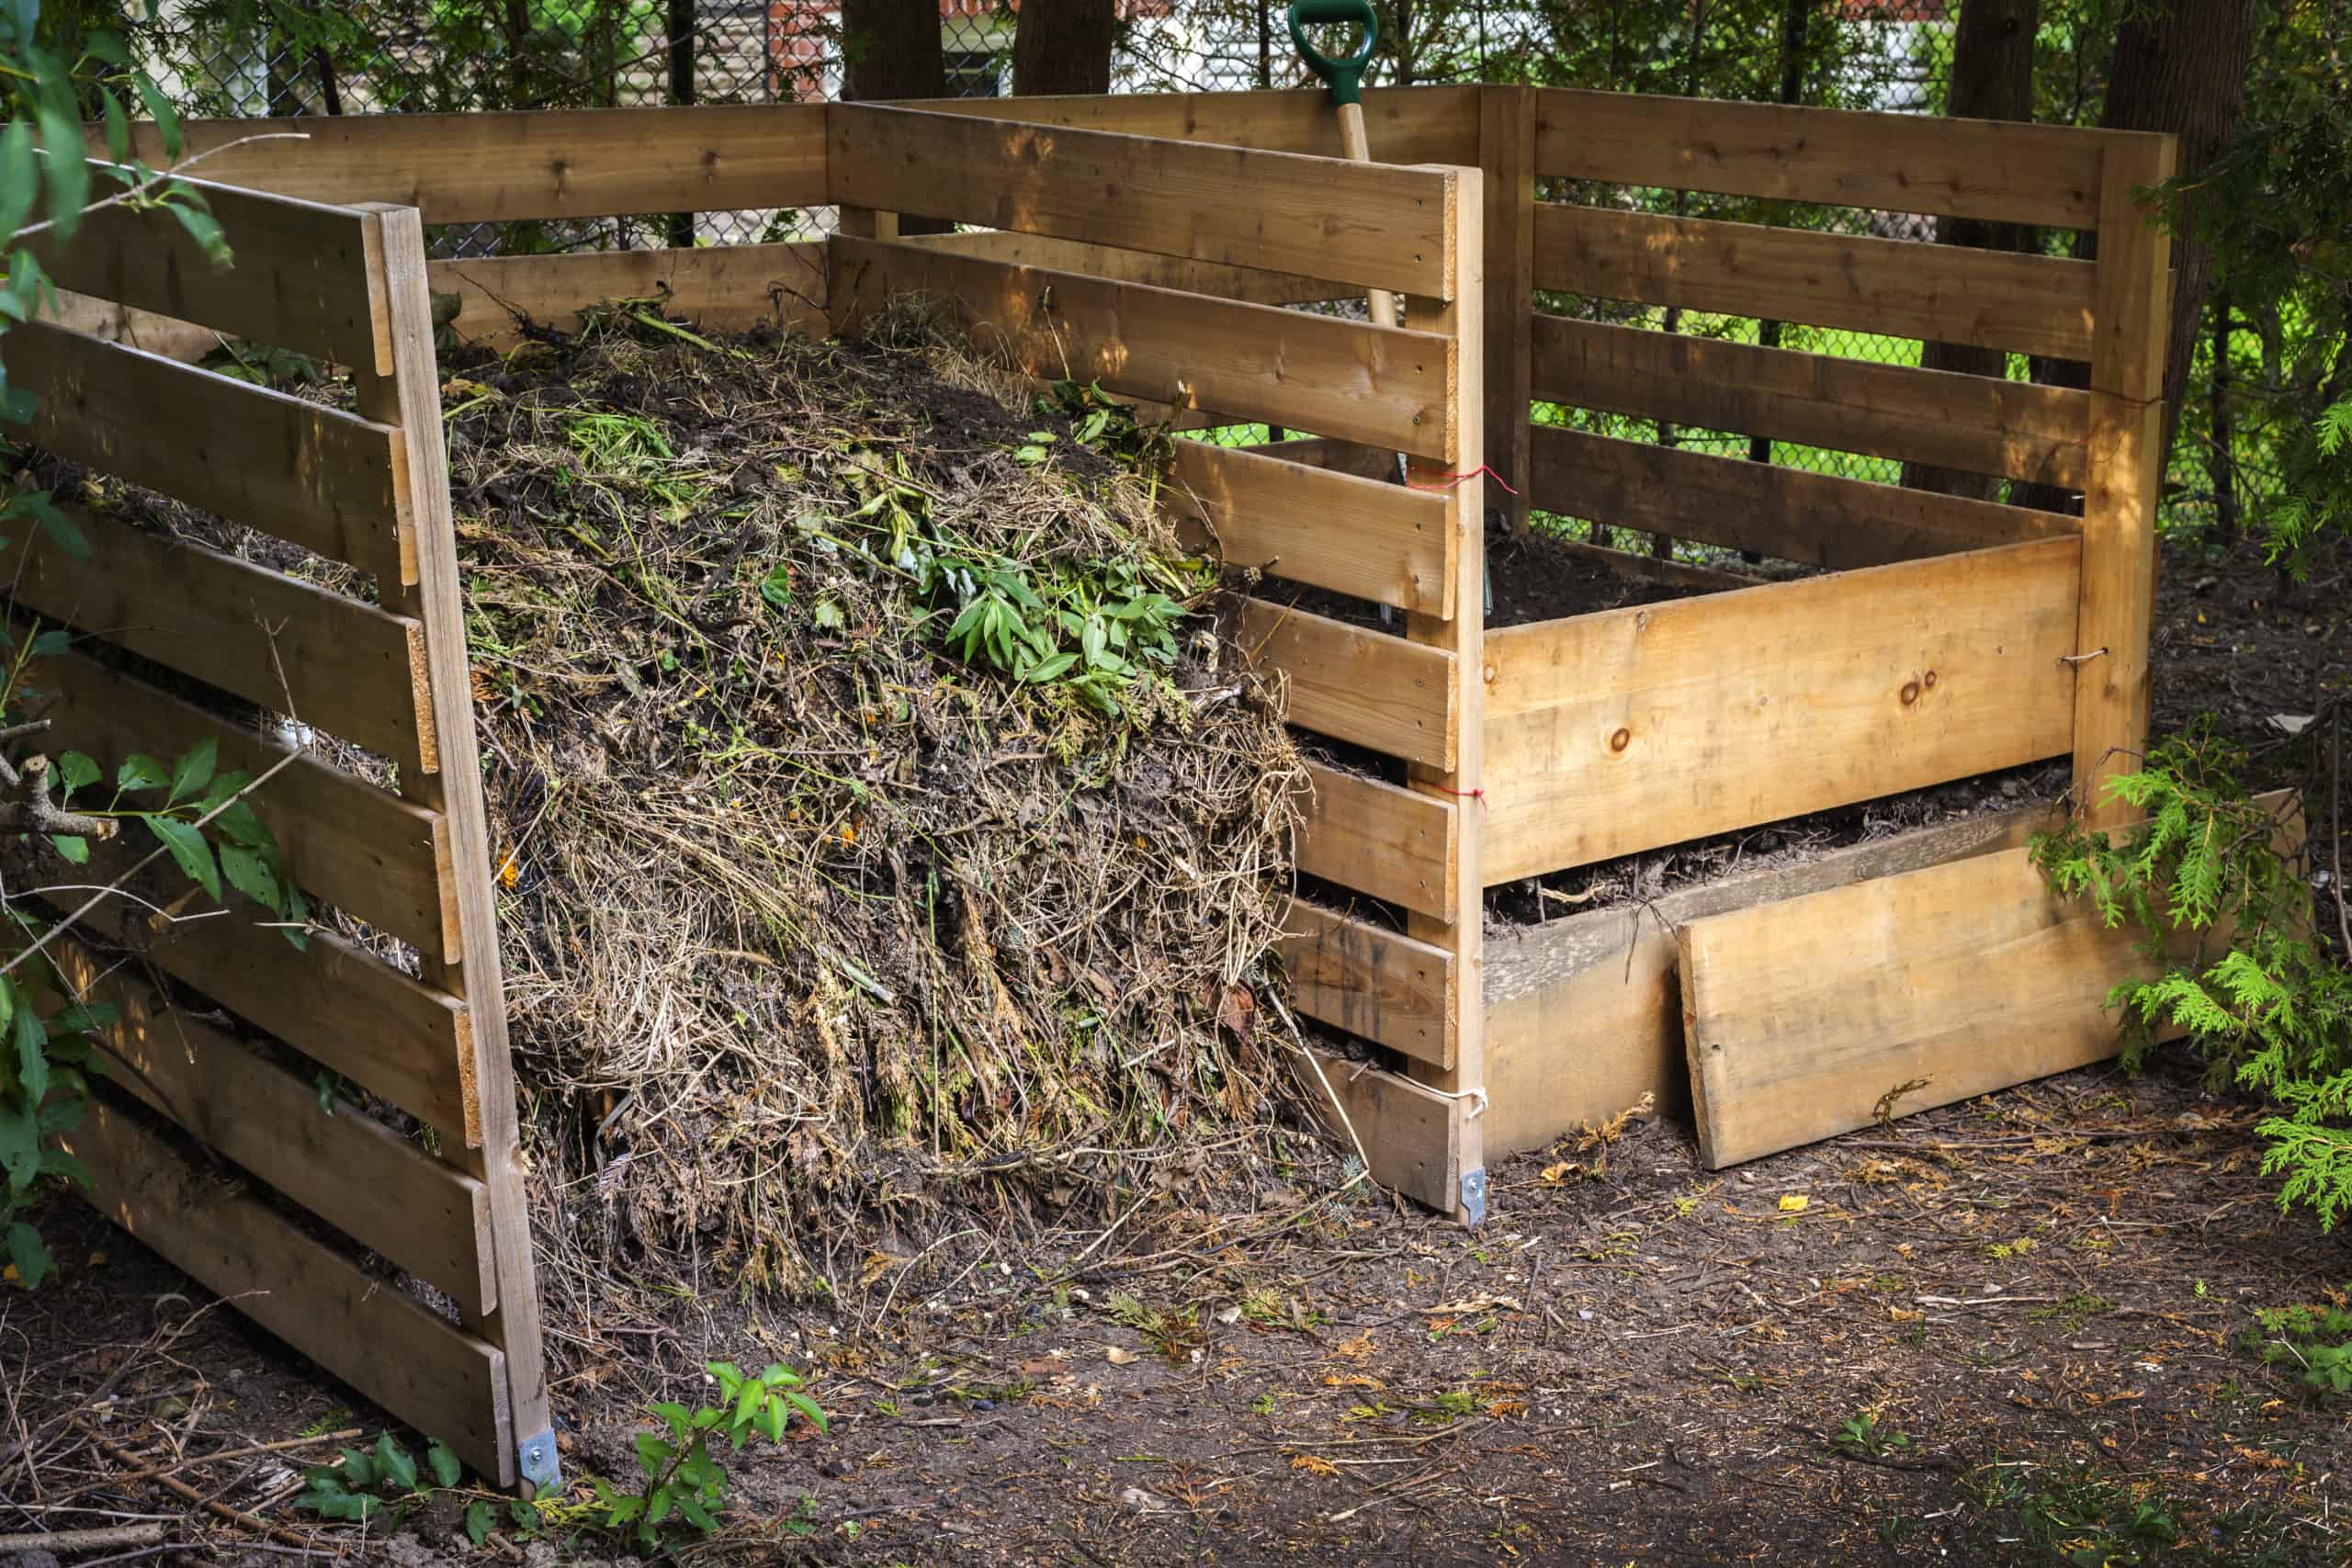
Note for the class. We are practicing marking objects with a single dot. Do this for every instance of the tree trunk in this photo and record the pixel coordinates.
(891, 50)
(2181, 68)
(1992, 78)
(1063, 46)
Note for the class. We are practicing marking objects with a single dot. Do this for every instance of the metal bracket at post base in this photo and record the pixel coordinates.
(1474, 1197)
(536, 1463)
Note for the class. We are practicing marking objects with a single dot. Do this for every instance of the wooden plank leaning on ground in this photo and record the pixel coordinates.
(1360, 382)
(505, 167)
(344, 665)
(1631, 728)
(1372, 981)
(1404, 125)
(300, 280)
(1325, 528)
(2027, 304)
(422, 1368)
(1376, 839)
(718, 288)
(1375, 225)
(363, 849)
(2019, 429)
(309, 475)
(1959, 168)
(340, 1164)
(1785, 512)
(1354, 684)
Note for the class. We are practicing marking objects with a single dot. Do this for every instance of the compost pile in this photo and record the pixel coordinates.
(883, 826)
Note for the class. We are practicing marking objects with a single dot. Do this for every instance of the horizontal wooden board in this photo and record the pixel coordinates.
(347, 667)
(1962, 168)
(1993, 298)
(1377, 225)
(1957, 980)
(363, 849)
(110, 322)
(1403, 124)
(1371, 384)
(1356, 684)
(1371, 981)
(337, 1004)
(344, 1166)
(718, 287)
(1788, 513)
(1620, 732)
(1641, 567)
(1245, 283)
(503, 167)
(309, 475)
(1379, 838)
(300, 280)
(1405, 1129)
(422, 1368)
(1322, 527)
(2020, 429)
(1584, 1012)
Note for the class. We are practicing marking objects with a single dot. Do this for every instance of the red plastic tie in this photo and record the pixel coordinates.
(1451, 479)
(1477, 795)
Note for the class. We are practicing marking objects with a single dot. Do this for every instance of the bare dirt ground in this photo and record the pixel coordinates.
(2009, 1331)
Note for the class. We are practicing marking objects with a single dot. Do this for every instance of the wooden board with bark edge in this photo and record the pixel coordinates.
(2019, 429)
(1997, 170)
(1404, 125)
(338, 664)
(389, 1347)
(725, 288)
(342, 1165)
(1371, 981)
(506, 167)
(1374, 225)
(361, 849)
(1321, 526)
(1378, 385)
(300, 280)
(1773, 509)
(1376, 838)
(307, 474)
(1357, 685)
(1631, 728)
(1901, 287)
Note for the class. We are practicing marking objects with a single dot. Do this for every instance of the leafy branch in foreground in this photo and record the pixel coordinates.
(2208, 883)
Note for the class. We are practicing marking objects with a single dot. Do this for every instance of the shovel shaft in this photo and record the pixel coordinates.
(1357, 150)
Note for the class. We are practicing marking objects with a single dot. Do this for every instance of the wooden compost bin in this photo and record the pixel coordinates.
(1149, 243)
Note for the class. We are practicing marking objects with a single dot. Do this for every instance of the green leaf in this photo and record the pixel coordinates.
(194, 770)
(139, 771)
(359, 1470)
(250, 875)
(399, 1468)
(50, 643)
(76, 850)
(188, 848)
(478, 1521)
(77, 770)
(807, 1406)
(19, 176)
(240, 824)
(118, 124)
(27, 1253)
(19, 1146)
(65, 170)
(201, 226)
(166, 119)
(698, 1516)
(62, 531)
(678, 1417)
(448, 1468)
(653, 1452)
(28, 1035)
(658, 1506)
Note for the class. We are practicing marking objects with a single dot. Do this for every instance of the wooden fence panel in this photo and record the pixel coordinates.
(1377, 838)
(1321, 526)
(1364, 687)
(730, 289)
(1368, 980)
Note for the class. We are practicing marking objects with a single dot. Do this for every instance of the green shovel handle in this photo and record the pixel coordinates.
(1345, 77)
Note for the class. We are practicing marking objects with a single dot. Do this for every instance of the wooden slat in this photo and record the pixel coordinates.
(1404, 125)
(1789, 513)
(343, 1008)
(309, 475)
(344, 1166)
(1623, 730)
(1390, 844)
(2028, 304)
(1644, 567)
(2020, 429)
(344, 666)
(1961, 978)
(1328, 528)
(110, 323)
(2127, 462)
(1380, 983)
(498, 168)
(1997, 170)
(1252, 362)
(363, 849)
(1584, 1013)
(1406, 1130)
(300, 280)
(1507, 157)
(719, 287)
(1358, 685)
(1377, 225)
(422, 1369)
(1244, 283)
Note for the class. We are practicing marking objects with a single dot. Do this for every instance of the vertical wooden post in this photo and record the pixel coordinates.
(406, 392)
(1464, 634)
(1507, 155)
(2131, 300)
